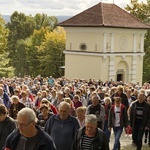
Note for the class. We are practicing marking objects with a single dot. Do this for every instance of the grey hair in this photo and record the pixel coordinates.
(64, 104)
(91, 119)
(14, 97)
(108, 98)
(29, 113)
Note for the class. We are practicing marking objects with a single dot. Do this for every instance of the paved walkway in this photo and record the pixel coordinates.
(126, 141)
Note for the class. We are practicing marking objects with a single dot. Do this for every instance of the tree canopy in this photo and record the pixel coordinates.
(26, 43)
(5, 70)
(3, 35)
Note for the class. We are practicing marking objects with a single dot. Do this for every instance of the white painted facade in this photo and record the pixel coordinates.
(111, 53)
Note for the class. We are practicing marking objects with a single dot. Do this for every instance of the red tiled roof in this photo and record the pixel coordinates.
(104, 15)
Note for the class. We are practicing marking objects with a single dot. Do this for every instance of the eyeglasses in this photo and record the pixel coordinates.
(23, 124)
(44, 102)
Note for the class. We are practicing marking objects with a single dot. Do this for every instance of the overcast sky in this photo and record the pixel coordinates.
(53, 7)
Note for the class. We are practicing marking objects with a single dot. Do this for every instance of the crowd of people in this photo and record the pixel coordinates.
(61, 114)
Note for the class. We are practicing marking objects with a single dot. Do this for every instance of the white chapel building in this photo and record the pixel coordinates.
(104, 42)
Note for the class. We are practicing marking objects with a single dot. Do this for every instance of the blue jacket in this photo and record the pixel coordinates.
(6, 100)
(62, 131)
(45, 141)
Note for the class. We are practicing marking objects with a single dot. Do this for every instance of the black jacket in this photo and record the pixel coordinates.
(146, 113)
(6, 127)
(100, 141)
(45, 141)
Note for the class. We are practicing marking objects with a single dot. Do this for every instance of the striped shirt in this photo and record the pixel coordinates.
(139, 112)
(86, 142)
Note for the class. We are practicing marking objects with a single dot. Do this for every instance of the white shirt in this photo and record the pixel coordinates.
(117, 116)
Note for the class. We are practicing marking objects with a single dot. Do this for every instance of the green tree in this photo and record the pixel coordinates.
(20, 27)
(26, 33)
(3, 35)
(53, 47)
(142, 11)
(42, 20)
(21, 63)
(33, 54)
(45, 52)
(5, 70)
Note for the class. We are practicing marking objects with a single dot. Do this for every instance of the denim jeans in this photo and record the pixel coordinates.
(107, 132)
(117, 134)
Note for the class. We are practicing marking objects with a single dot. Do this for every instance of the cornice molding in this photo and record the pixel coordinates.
(122, 54)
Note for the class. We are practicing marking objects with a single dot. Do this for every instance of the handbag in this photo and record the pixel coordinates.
(128, 130)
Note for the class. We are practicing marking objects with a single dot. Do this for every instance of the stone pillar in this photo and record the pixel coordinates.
(112, 43)
(104, 42)
(142, 43)
(111, 72)
(133, 69)
(134, 42)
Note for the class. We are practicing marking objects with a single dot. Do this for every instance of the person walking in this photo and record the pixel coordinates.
(107, 106)
(147, 131)
(120, 93)
(97, 109)
(139, 119)
(62, 127)
(7, 125)
(117, 119)
(15, 106)
(28, 136)
(90, 137)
